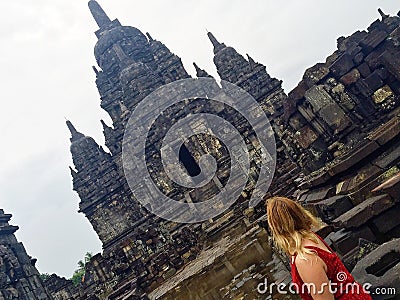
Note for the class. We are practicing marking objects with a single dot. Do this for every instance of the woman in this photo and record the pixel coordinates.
(317, 272)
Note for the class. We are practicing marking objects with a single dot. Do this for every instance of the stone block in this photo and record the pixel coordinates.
(351, 77)
(388, 158)
(373, 81)
(395, 86)
(335, 117)
(390, 187)
(363, 176)
(331, 208)
(358, 58)
(297, 121)
(316, 180)
(298, 92)
(386, 132)
(306, 136)
(381, 267)
(318, 97)
(324, 231)
(360, 214)
(387, 220)
(343, 241)
(382, 94)
(334, 237)
(341, 187)
(354, 50)
(395, 36)
(374, 58)
(373, 39)
(318, 195)
(357, 155)
(342, 65)
(391, 62)
(364, 70)
(382, 73)
(315, 74)
(363, 88)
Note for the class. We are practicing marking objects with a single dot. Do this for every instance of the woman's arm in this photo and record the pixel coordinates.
(312, 271)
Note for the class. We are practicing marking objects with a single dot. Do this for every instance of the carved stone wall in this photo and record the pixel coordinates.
(19, 279)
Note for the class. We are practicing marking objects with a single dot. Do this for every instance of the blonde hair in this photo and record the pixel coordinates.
(290, 223)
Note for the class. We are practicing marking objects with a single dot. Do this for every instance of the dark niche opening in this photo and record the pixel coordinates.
(190, 164)
(384, 264)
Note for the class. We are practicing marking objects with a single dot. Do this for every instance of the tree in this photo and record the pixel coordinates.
(79, 274)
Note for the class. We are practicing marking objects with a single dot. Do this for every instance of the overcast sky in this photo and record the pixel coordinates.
(46, 56)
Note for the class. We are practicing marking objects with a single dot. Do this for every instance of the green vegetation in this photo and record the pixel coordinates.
(44, 276)
(79, 274)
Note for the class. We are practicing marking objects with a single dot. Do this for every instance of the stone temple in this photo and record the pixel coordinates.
(337, 150)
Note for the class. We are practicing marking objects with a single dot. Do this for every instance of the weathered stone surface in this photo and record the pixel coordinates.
(61, 288)
(373, 81)
(19, 278)
(342, 65)
(373, 39)
(382, 94)
(386, 132)
(315, 74)
(364, 70)
(388, 158)
(331, 208)
(358, 58)
(392, 63)
(364, 175)
(327, 108)
(387, 220)
(318, 97)
(363, 212)
(363, 88)
(351, 77)
(391, 187)
(381, 267)
(344, 241)
(356, 156)
(320, 131)
(306, 136)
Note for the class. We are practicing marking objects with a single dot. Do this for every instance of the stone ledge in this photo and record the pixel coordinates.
(356, 156)
(333, 207)
(376, 262)
(363, 212)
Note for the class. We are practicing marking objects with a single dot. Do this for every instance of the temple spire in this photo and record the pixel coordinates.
(200, 72)
(213, 40)
(149, 36)
(217, 45)
(383, 15)
(98, 14)
(76, 135)
(251, 60)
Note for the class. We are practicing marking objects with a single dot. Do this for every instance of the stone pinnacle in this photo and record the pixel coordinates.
(98, 14)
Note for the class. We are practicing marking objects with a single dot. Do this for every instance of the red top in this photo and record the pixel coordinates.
(342, 283)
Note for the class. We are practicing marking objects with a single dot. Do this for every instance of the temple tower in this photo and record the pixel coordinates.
(19, 278)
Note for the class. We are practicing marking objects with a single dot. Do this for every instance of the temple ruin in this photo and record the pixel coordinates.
(338, 153)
